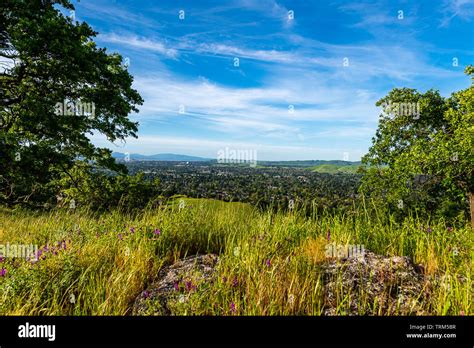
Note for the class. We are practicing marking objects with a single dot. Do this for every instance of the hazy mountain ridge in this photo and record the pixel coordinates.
(159, 157)
(311, 164)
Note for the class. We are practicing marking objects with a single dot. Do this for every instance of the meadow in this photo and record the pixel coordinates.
(269, 262)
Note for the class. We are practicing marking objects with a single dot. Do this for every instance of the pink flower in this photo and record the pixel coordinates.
(268, 262)
(190, 286)
(157, 231)
(3, 272)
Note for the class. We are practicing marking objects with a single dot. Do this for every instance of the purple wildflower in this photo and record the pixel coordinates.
(176, 286)
(189, 285)
(132, 229)
(3, 271)
(232, 307)
(428, 230)
(157, 231)
(268, 262)
(235, 282)
(2, 258)
(450, 229)
(120, 236)
(146, 294)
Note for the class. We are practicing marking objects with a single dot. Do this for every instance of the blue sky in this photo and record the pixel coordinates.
(304, 88)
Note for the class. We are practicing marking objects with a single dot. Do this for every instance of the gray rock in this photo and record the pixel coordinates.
(175, 283)
(395, 284)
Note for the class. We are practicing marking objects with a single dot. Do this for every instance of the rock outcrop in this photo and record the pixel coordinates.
(364, 284)
(390, 285)
(175, 283)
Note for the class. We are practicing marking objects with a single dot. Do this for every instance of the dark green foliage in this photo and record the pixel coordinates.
(99, 190)
(423, 160)
(51, 59)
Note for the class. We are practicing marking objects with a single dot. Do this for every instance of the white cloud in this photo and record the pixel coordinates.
(268, 104)
(321, 114)
(366, 61)
(139, 43)
(104, 10)
(271, 9)
(463, 9)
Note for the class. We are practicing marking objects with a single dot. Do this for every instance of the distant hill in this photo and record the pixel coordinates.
(308, 164)
(336, 168)
(321, 166)
(160, 157)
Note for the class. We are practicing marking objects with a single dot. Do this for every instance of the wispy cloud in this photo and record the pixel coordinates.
(365, 61)
(270, 8)
(279, 110)
(136, 42)
(463, 9)
(113, 12)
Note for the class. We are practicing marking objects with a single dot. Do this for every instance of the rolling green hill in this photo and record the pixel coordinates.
(335, 168)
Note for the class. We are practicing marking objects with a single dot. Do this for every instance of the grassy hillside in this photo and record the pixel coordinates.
(98, 265)
(335, 168)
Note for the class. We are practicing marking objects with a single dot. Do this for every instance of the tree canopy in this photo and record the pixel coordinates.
(57, 89)
(422, 154)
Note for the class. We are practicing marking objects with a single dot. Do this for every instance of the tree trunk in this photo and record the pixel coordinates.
(471, 205)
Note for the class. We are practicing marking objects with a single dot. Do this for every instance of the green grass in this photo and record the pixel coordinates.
(105, 273)
(334, 168)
